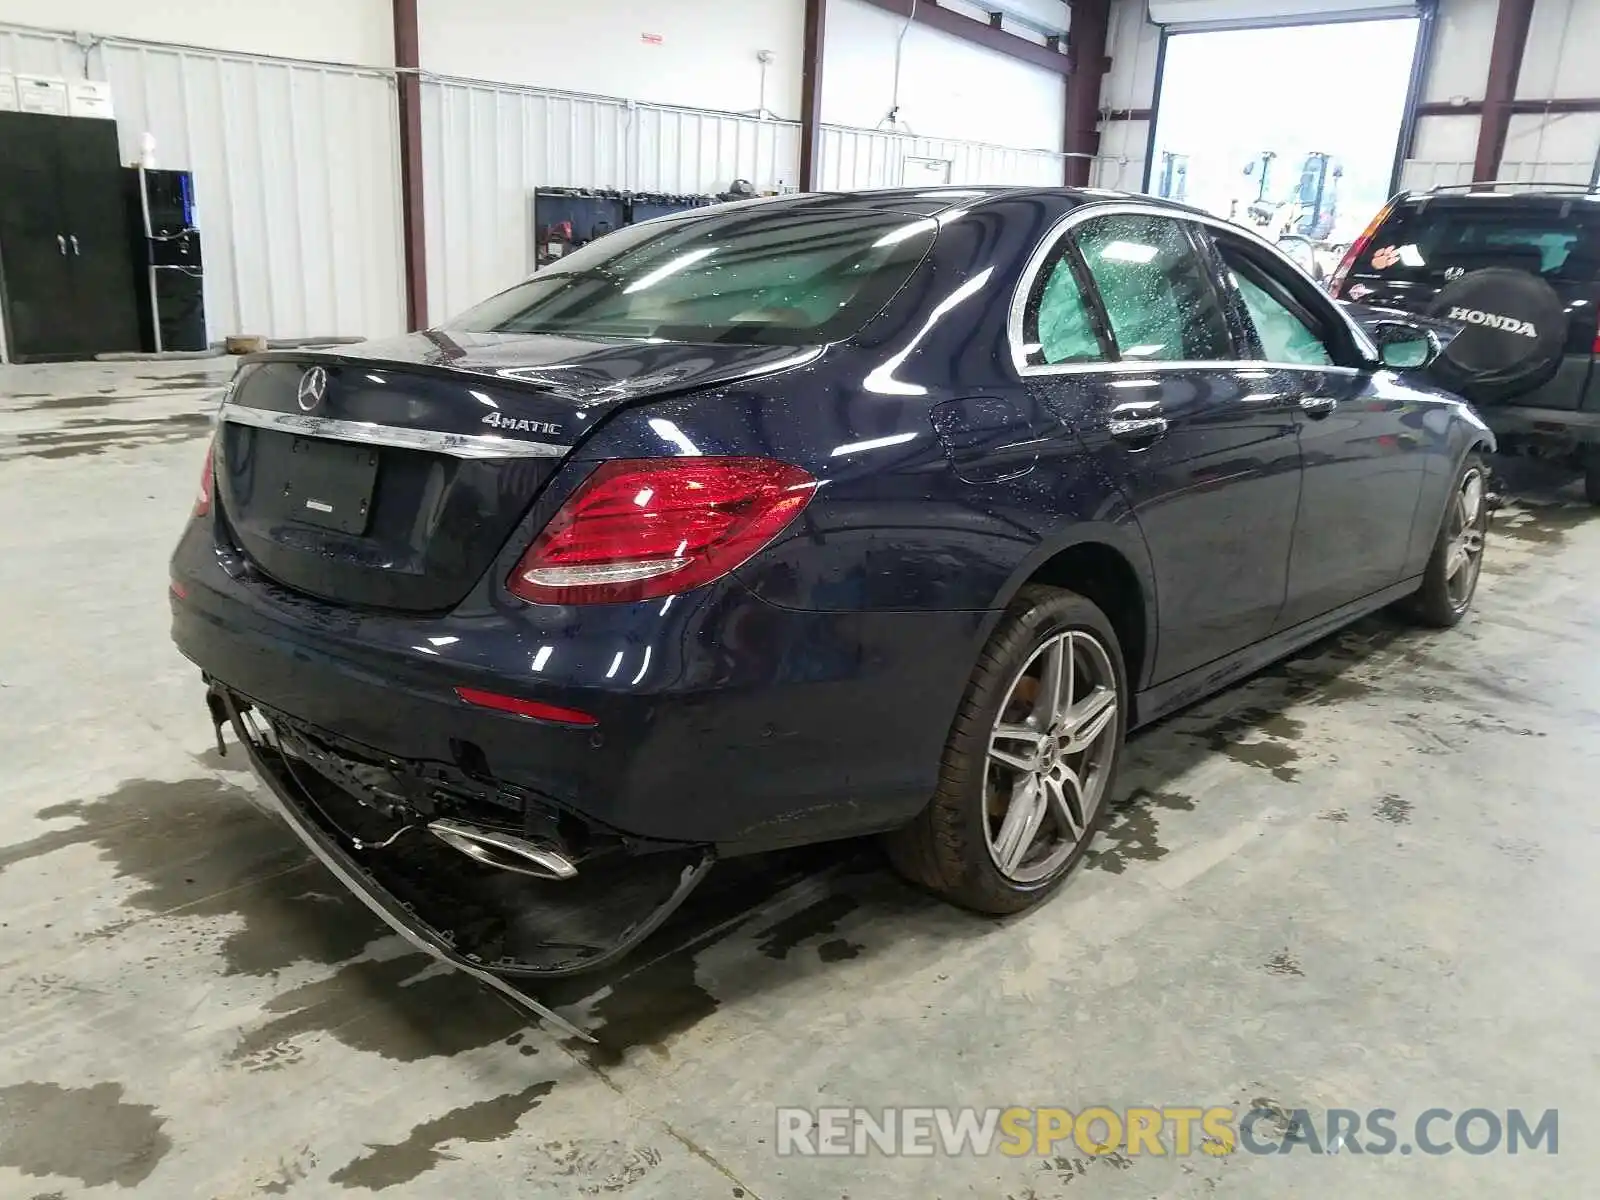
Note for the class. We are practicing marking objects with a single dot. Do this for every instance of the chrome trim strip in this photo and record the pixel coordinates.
(370, 433)
(1084, 212)
(1136, 367)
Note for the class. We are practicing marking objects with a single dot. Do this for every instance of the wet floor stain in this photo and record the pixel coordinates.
(1519, 850)
(201, 848)
(839, 950)
(56, 402)
(387, 1166)
(75, 443)
(287, 1173)
(1541, 524)
(648, 1008)
(1284, 963)
(813, 920)
(404, 1009)
(1272, 740)
(86, 1133)
(1393, 809)
(595, 1167)
(1131, 831)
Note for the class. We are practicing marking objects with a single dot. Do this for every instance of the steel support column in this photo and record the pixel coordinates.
(409, 95)
(1087, 62)
(1500, 90)
(816, 28)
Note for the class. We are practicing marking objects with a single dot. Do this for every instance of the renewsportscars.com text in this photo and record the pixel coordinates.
(1170, 1130)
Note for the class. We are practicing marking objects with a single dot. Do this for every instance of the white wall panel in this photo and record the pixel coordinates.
(485, 150)
(1123, 146)
(706, 56)
(32, 52)
(1462, 36)
(948, 88)
(1133, 44)
(341, 31)
(296, 177)
(863, 158)
(1559, 57)
(1560, 147)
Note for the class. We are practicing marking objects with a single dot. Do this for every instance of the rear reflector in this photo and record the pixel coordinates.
(202, 501)
(642, 528)
(526, 708)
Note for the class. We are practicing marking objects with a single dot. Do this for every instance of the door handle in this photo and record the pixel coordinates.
(62, 242)
(1318, 406)
(73, 238)
(1137, 421)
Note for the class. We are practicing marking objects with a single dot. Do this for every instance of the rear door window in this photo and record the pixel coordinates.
(1441, 241)
(1155, 289)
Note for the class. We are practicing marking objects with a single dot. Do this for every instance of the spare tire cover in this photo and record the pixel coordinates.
(1515, 328)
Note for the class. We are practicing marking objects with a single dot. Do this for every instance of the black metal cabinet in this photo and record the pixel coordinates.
(66, 272)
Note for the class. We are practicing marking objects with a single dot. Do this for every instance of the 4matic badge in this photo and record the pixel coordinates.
(520, 425)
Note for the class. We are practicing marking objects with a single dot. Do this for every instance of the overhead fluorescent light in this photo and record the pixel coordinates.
(1132, 252)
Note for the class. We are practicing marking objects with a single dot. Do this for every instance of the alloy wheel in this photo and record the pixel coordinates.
(1464, 557)
(1050, 754)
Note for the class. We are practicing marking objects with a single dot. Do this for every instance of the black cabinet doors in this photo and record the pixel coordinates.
(65, 261)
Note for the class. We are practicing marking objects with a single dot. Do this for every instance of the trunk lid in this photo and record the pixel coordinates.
(390, 474)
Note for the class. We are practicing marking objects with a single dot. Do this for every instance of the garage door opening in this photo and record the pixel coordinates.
(1290, 130)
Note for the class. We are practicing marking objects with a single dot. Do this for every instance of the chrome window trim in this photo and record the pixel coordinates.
(1139, 367)
(1084, 212)
(370, 433)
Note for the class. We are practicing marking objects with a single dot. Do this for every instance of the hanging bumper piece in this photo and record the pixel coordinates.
(523, 908)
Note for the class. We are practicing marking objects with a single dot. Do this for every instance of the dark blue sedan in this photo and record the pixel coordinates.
(793, 520)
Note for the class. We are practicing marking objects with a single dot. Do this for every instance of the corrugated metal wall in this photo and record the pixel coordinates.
(487, 147)
(296, 171)
(866, 158)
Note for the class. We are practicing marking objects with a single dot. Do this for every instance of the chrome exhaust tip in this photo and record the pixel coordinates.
(503, 850)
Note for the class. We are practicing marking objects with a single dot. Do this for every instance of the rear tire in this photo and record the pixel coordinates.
(1018, 799)
(1451, 578)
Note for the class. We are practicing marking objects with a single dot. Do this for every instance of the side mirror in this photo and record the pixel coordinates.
(1403, 347)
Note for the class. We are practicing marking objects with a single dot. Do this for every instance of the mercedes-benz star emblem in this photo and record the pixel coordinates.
(313, 387)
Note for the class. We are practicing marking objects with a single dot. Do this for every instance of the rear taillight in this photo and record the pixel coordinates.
(1357, 249)
(208, 483)
(640, 528)
(1595, 349)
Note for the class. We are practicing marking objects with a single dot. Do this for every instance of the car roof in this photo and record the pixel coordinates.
(932, 201)
(1551, 195)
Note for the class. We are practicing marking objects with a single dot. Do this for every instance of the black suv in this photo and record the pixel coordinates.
(1521, 270)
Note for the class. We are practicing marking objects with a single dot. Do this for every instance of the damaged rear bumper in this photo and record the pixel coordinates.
(447, 922)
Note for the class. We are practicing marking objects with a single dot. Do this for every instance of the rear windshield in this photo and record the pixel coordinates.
(752, 274)
(1446, 240)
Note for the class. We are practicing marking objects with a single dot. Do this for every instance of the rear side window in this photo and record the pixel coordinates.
(751, 275)
(1058, 327)
(1444, 240)
(1155, 289)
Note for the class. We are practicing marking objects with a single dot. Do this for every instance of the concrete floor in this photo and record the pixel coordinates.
(1364, 879)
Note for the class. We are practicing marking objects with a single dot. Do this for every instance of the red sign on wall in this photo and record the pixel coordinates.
(651, 39)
